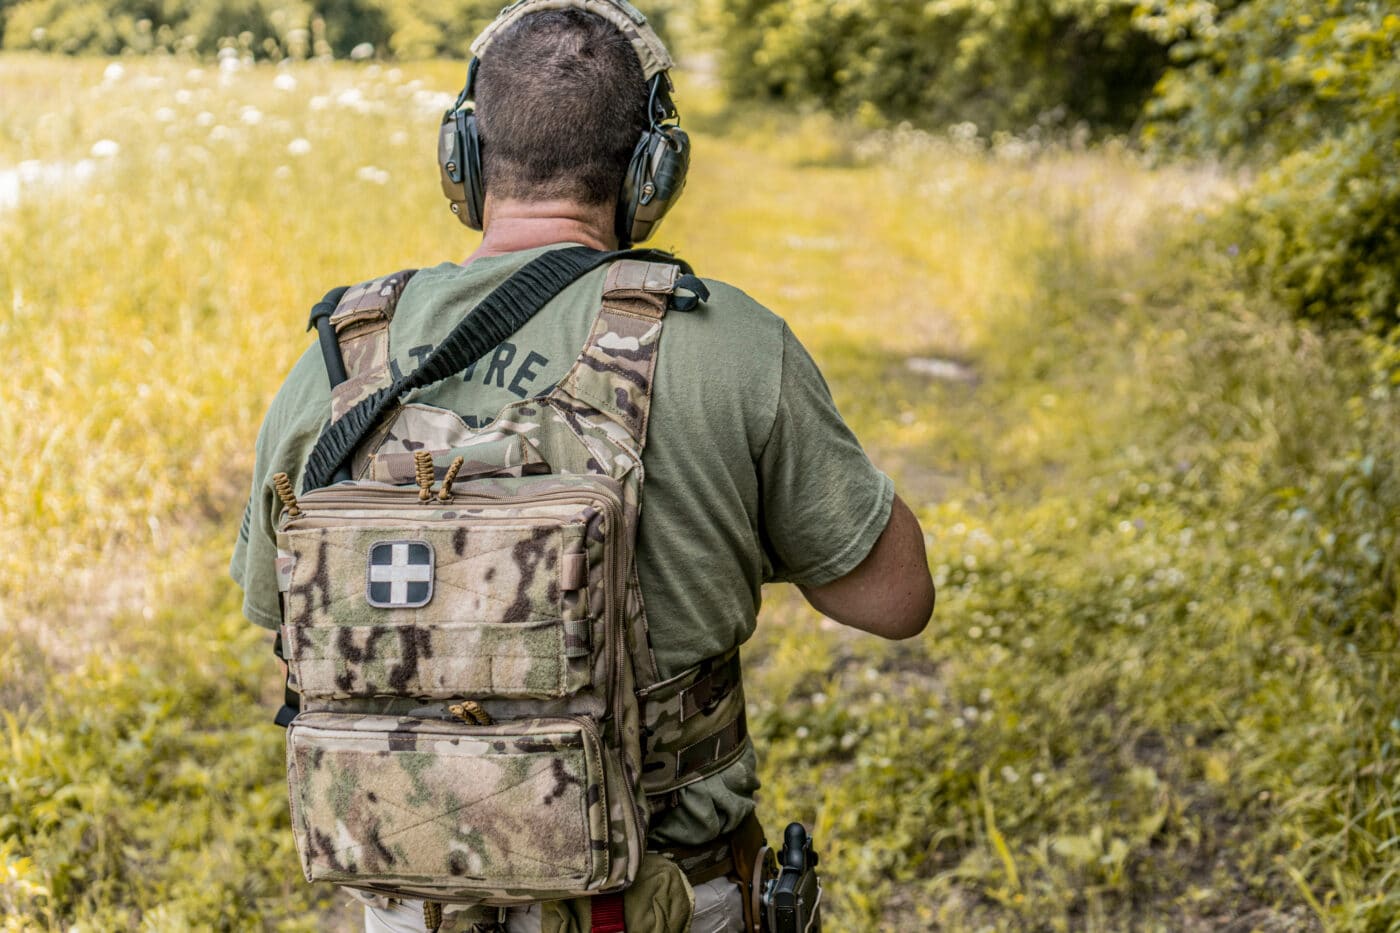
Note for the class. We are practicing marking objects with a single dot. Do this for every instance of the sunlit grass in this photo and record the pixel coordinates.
(1157, 692)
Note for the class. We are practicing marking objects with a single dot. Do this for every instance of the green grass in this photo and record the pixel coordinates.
(1159, 688)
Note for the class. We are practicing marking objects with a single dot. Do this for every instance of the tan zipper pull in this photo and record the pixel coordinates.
(282, 485)
(471, 713)
(445, 493)
(423, 467)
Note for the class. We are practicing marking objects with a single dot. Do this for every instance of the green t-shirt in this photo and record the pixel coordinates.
(751, 475)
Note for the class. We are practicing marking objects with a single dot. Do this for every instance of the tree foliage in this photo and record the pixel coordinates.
(1001, 64)
(1311, 91)
(413, 29)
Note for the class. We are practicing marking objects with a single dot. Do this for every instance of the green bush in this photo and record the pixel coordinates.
(1316, 87)
(1002, 65)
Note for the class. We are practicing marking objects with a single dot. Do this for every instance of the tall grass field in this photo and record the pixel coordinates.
(1160, 690)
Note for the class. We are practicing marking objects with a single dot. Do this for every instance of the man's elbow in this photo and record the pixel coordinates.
(915, 614)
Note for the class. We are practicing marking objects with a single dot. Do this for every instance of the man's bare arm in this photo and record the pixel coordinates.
(890, 593)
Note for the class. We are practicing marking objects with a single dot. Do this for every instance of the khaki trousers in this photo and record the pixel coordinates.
(719, 908)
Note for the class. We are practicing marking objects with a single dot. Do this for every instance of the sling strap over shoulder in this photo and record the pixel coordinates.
(504, 311)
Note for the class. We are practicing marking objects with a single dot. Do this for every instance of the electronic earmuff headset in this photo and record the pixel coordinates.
(656, 174)
(459, 156)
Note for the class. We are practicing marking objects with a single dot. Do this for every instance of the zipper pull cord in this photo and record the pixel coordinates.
(423, 467)
(471, 713)
(445, 493)
(282, 485)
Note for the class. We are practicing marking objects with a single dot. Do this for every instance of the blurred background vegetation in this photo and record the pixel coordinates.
(1112, 289)
(1307, 92)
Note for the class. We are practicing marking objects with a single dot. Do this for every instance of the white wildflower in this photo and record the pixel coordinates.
(164, 114)
(105, 149)
(1009, 775)
(284, 82)
(204, 118)
(373, 174)
(362, 52)
(113, 72)
(250, 115)
(299, 146)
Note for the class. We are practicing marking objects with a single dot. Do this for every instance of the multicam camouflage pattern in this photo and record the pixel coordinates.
(693, 724)
(533, 539)
(536, 613)
(361, 322)
(448, 807)
(651, 51)
(389, 456)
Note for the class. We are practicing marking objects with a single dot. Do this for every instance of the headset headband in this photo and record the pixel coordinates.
(627, 18)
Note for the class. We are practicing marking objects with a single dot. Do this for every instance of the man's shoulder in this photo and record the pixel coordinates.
(730, 314)
(304, 397)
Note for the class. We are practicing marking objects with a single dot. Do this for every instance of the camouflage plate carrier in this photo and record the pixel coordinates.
(481, 718)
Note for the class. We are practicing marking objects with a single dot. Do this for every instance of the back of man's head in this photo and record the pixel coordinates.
(561, 101)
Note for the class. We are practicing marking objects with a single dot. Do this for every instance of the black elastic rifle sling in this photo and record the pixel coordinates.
(501, 313)
(514, 302)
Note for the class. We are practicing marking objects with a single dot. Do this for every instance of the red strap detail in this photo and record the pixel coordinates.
(607, 914)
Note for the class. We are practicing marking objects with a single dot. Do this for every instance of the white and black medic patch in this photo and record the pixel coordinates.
(400, 574)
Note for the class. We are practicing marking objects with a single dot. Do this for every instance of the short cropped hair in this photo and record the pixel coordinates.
(561, 101)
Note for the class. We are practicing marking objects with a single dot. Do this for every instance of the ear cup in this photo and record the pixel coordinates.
(654, 180)
(459, 163)
(473, 180)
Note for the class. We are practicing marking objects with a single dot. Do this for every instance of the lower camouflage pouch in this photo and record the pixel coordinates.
(446, 810)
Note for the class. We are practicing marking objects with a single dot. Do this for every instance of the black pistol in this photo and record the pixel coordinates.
(792, 900)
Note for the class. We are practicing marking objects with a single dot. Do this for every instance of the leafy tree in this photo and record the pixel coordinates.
(1310, 90)
(1004, 64)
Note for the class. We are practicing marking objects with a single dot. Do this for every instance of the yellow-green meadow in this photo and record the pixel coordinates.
(1158, 691)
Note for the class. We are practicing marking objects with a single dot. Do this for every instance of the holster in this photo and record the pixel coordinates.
(754, 864)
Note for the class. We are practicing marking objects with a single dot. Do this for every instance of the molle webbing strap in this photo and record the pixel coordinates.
(499, 315)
